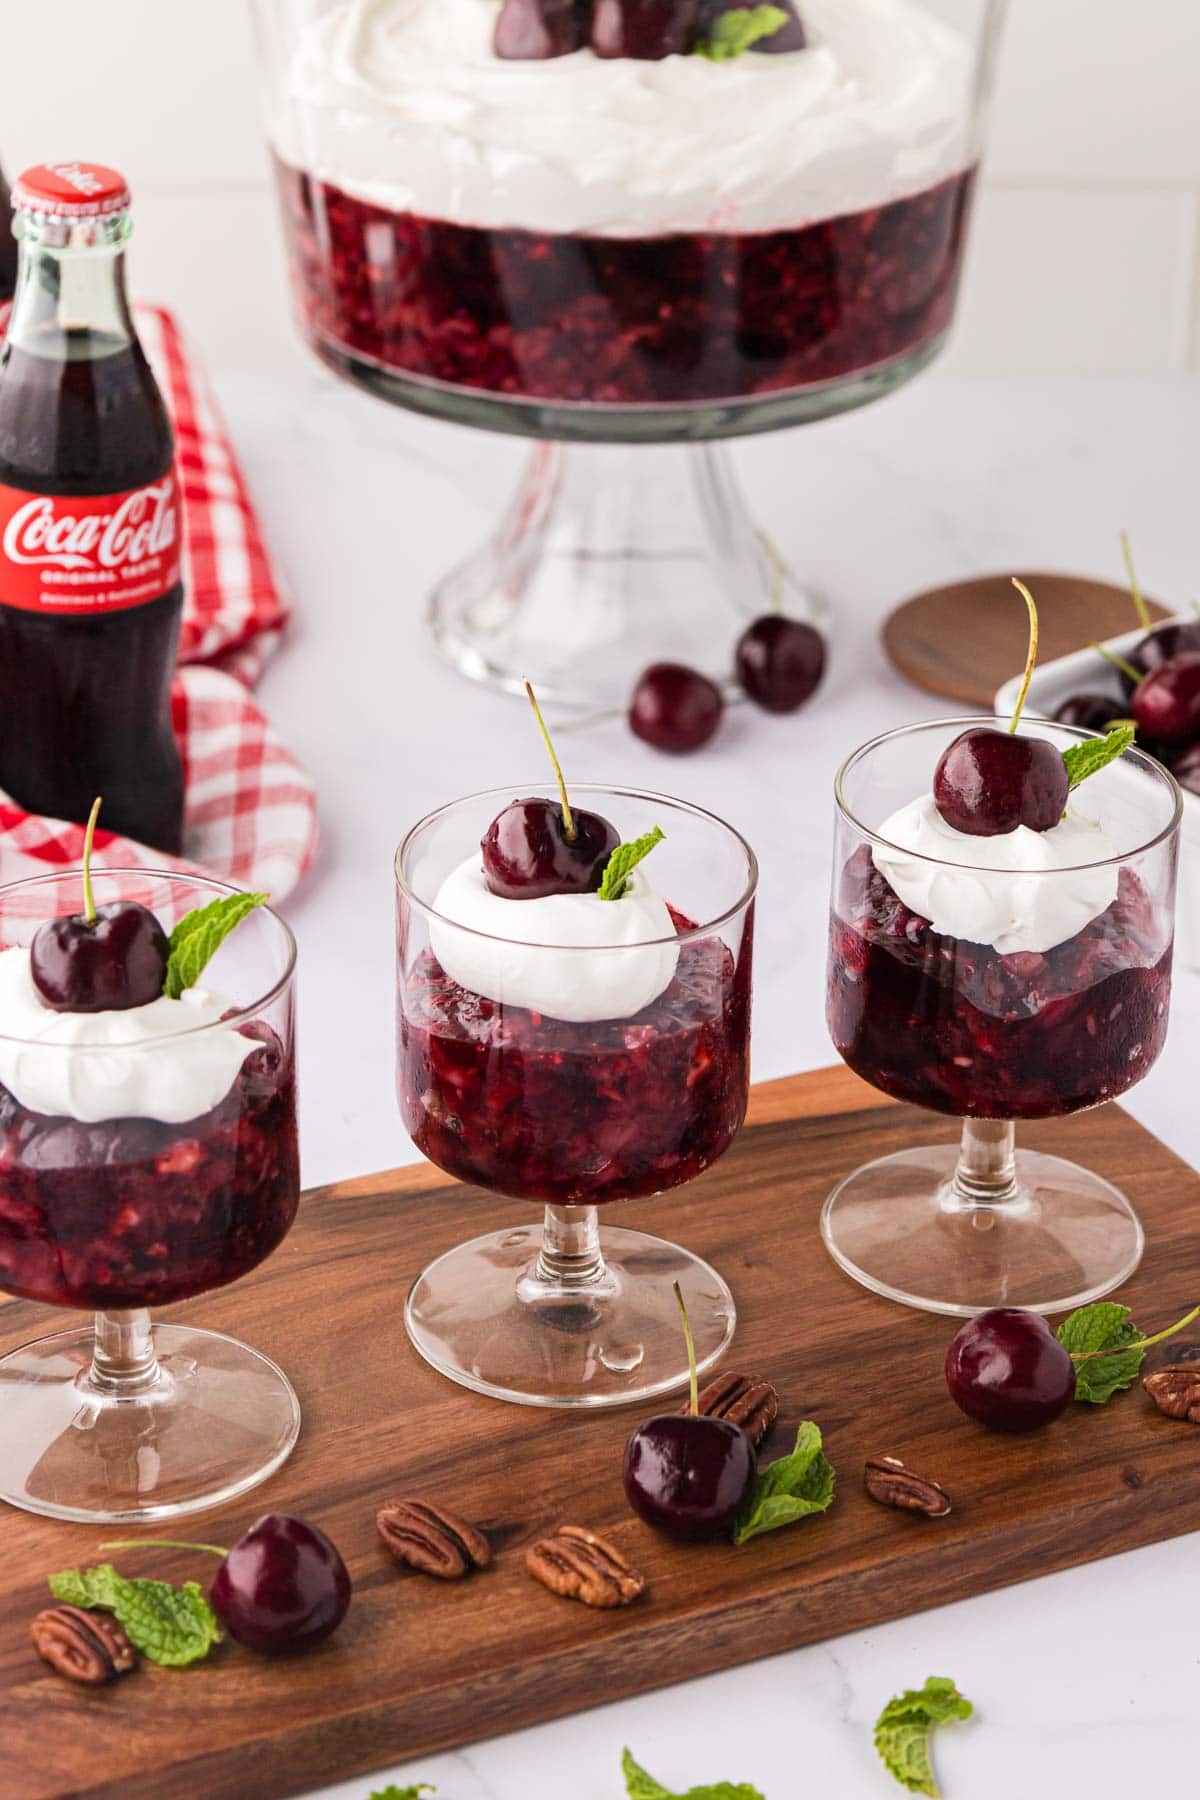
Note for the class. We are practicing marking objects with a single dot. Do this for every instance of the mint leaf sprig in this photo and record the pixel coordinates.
(641, 1786)
(738, 30)
(621, 864)
(200, 934)
(903, 1729)
(172, 1626)
(1108, 1349)
(392, 1792)
(788, 1489)
(1093, 754)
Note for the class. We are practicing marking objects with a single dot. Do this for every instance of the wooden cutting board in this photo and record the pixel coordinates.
(420, 1666)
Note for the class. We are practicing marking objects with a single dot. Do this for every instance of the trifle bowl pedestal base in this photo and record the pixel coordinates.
(167, 1422)
(1051, 1238)
(575, 1316)
(610, 558)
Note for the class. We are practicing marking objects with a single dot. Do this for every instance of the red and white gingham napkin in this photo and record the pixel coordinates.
(250, 814)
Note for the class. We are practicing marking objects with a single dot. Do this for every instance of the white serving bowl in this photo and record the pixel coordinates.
(1085, 671)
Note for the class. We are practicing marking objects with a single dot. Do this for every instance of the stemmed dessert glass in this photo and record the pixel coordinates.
(119, 1419)
(575, 1116)
(629, 261)
(959, 1028)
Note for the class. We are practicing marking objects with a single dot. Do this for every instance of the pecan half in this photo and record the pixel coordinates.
(1175, 1390)
(754, 1405)
(429, 1538)
(84, 1646)
(581, 1565)
(889, 1482)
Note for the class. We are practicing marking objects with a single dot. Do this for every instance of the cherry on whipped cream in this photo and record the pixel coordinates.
(643, 30)
(535, 30)
(528, 854)
(988, 782)
(104, 959)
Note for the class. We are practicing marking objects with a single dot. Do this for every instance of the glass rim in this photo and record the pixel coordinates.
(232, 1019)
(1156, 770)
(692, 933)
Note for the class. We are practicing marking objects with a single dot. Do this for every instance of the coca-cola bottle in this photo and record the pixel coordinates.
(8, 251)
(90, 526)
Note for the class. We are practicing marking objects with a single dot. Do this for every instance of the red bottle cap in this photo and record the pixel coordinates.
(71, 190)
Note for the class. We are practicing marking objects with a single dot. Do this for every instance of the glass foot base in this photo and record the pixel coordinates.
(897, 1227)
(218, 1419)
(482, 1315)
(606, 561)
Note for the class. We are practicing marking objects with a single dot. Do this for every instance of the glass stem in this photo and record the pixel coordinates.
(987, 1172)
(123, 1360)
(570, 1256)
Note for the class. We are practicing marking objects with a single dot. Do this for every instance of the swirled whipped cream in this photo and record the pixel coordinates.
(108, 1065)
(536, 953)
(1003, 890)
(403, 104)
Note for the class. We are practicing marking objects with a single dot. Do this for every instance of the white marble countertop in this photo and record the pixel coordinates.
(1087, 1679)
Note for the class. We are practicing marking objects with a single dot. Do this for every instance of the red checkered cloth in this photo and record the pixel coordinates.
(250, 813)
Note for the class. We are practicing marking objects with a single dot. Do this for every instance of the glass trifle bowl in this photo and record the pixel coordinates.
(609, 224)
(538, 1062)
(143, 1160)
(995, 979)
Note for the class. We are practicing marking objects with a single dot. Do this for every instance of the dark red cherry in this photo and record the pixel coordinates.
(988, 782)
(1161, 645)
(1008, 1370)
(1090, 711)
(1166, 704)
(687, 1475)
(108, 964)
(527, 854)
(1186, 768)
(780, 662)
(644, 30)
(534, 30)
(282, 1587)
(675, 708)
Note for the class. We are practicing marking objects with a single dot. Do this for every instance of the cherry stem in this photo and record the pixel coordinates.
(162, 1544)
(1118, 662)
(1139, 599)
(567, 819)
(1143, 1343)
(89, 905)
(778, 570)
(1031, 657)
(689, 1340)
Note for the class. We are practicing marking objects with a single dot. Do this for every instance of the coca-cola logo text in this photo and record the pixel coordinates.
(145, 524)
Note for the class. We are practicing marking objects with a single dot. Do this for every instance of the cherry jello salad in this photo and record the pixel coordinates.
(994, 953)
(147, 1130)
(562, 1037)
(621, 202)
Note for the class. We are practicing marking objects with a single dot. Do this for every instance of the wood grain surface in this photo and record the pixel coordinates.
(964, 641)
(419, 1665)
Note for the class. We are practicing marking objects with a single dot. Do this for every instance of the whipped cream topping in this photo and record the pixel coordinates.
(118, 1070)
(402, 103)
(1015, 901)
(536, 955)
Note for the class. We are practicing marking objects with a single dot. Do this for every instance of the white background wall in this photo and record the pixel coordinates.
(1086, 256)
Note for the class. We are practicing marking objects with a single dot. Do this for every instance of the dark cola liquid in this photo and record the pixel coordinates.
(8, 245)
(85, 704)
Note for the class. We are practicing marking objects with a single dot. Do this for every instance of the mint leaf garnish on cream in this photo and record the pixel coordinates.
(624, 859)
(200, 934)
(1094, 754)
(739, 29)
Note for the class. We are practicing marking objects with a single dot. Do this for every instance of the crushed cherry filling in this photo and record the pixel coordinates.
(577, 1114)
(622, 321)
(133, 1212)
(957, 1027)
